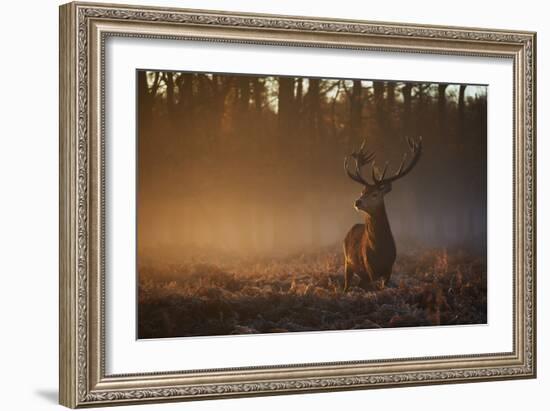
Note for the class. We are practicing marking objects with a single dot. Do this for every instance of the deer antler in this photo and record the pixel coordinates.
(415, 148)
(363, 157)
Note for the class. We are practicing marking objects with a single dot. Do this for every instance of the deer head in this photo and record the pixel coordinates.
(372, 196)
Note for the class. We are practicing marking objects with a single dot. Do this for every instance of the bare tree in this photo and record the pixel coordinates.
(170, 99)
(461, 112)
(442, 107)
(356, 110)
(147, 95)
(379, 108)
(407, 108)
(285, 109)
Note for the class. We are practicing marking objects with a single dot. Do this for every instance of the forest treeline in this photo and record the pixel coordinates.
(244, 162)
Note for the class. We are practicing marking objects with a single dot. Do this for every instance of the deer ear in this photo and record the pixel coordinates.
(386, 188)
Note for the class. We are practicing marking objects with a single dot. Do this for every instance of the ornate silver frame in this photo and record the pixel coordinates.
(83, 30)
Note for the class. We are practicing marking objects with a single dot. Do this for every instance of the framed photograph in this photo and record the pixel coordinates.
(259, 204)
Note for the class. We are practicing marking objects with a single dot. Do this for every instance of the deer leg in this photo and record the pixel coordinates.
(385, 279)
(367, 280)
(348, 274)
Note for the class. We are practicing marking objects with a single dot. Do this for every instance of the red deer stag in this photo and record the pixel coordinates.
(369, 248)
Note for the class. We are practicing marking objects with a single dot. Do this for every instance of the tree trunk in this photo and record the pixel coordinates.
(461, 112)
(220, 88)
(390, 89)
(299, 93)
(356, 110)
(259, 90)
(442, 109)
(285, 108)
(314, 116)
(144, 99)
(407, 105)
(379, 107)
(390, 107)
(285, 137)
(170, 101)
(314, 107)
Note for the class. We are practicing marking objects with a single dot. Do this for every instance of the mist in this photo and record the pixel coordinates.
(253, 165)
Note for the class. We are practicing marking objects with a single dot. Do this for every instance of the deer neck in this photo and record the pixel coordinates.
(377, 225)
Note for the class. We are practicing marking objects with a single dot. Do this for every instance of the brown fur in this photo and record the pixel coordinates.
(369, 251)
(369, 248)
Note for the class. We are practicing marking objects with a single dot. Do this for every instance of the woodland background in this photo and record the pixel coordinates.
(254, 164)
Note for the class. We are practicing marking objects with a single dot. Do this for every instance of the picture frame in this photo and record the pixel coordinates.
(85, 29)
